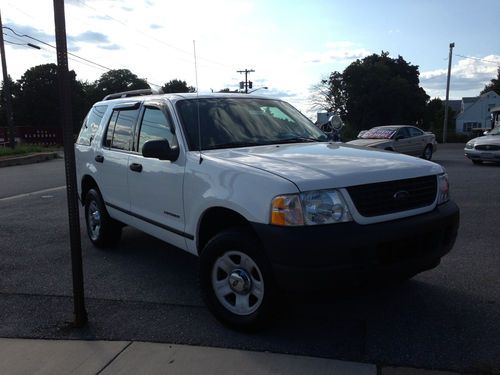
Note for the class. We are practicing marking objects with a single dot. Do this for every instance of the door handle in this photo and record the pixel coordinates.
(99, 158)
(136, 167)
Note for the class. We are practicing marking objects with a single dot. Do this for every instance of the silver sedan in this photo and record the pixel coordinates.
(485, 148)
(405, 139)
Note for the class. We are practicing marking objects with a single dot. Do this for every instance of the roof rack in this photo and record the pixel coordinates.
(127, 94)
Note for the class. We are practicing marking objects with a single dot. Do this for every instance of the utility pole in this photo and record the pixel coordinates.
(445, 125)
(6, 91)
(246, 71)
(66, 119)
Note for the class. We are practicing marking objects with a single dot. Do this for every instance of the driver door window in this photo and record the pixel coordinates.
(155, 126)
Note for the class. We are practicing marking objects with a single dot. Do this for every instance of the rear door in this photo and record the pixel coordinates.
(156, 185)
(111, 160)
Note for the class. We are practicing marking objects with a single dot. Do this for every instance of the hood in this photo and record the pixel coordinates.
(486, 140)
(369, 142)
(313, 166)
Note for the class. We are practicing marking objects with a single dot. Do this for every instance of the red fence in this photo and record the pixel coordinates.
(34, 136)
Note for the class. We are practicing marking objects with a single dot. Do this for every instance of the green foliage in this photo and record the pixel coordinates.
(23, 150)
(35, 98)
(494, 85)
(176, 85)
(229, 91)
(376, 90)
(433, 119)
(113, 81)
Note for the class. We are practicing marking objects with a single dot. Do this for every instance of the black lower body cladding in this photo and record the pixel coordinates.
(316, 257)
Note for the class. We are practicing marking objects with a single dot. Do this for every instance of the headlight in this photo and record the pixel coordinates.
(443, 188)
(310, 208)
(469, 145)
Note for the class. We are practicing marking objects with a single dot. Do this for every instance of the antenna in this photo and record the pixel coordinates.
(197, 100)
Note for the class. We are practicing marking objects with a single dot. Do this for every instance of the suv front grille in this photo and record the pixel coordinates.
(393, 196)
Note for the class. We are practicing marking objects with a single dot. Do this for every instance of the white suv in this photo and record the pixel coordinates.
(254, 189)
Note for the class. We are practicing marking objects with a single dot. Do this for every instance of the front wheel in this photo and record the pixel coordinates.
(236, 279)
(477, 162)
(427, 155)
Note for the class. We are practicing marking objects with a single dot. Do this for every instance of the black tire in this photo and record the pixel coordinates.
(102, 230)
(388, 149)
(232, 249)
(427, 154)
(477, 162)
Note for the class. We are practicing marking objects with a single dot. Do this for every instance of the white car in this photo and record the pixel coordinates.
(485, 148)
(253, 188)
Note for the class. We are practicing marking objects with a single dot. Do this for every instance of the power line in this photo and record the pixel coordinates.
(479, 59)
(17, 44)
(83, 61)
(54, 47)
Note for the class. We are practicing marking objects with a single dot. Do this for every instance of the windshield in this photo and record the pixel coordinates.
(240, 122)
(379, 133)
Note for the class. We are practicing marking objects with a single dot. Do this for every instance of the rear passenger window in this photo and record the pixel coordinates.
(91, 124)
(120, 129)
(155, 126)
(414, 132)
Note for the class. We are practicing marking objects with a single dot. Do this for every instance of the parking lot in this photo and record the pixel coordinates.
(447, 318)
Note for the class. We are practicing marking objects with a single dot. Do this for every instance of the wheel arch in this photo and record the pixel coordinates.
(215, 220)
(87, 183)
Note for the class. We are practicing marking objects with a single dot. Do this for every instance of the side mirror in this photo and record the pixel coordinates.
(486, 132)
(160, 149)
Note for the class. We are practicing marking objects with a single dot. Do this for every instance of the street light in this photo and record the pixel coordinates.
(263, 88)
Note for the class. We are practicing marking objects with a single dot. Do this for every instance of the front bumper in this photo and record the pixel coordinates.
(318, 257)
(483, 155)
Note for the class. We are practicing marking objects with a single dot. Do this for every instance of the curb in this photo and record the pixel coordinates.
(28, 159)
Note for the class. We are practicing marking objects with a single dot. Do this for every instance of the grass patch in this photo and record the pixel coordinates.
(24, 150)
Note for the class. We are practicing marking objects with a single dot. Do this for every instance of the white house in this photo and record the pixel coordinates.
(476, 112)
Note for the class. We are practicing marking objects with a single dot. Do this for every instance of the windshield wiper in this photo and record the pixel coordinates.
(298, 140)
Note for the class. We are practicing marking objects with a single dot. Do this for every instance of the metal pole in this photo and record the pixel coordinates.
(246, 71)
(445, 124)
(69, 162)
(6, 91)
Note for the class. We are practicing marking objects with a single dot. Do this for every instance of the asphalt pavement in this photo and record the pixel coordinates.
(144, 290)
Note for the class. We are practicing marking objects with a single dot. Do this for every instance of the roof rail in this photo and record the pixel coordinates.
(127, 94)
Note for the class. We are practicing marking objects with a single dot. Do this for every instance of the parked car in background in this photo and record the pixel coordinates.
(405, 139)
(485, 148)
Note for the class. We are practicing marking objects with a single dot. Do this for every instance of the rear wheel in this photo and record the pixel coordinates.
(102, 230)
(427, 155)
(236, 280)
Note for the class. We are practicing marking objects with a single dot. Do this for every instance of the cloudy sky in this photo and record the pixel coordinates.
(290, 44)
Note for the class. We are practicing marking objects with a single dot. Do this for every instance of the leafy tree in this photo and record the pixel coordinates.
(113, 81)
(376, 90)
(229, 91)
(434, 117)
(176, 85)
(13, 90)
(494, 85)
(36, 102)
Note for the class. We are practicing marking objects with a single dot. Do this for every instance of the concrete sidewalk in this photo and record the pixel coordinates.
(21, 356)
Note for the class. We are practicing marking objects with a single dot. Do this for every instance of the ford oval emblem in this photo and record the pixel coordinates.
(401, 195)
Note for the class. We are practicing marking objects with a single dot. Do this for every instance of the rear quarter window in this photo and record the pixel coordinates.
(91, 124)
